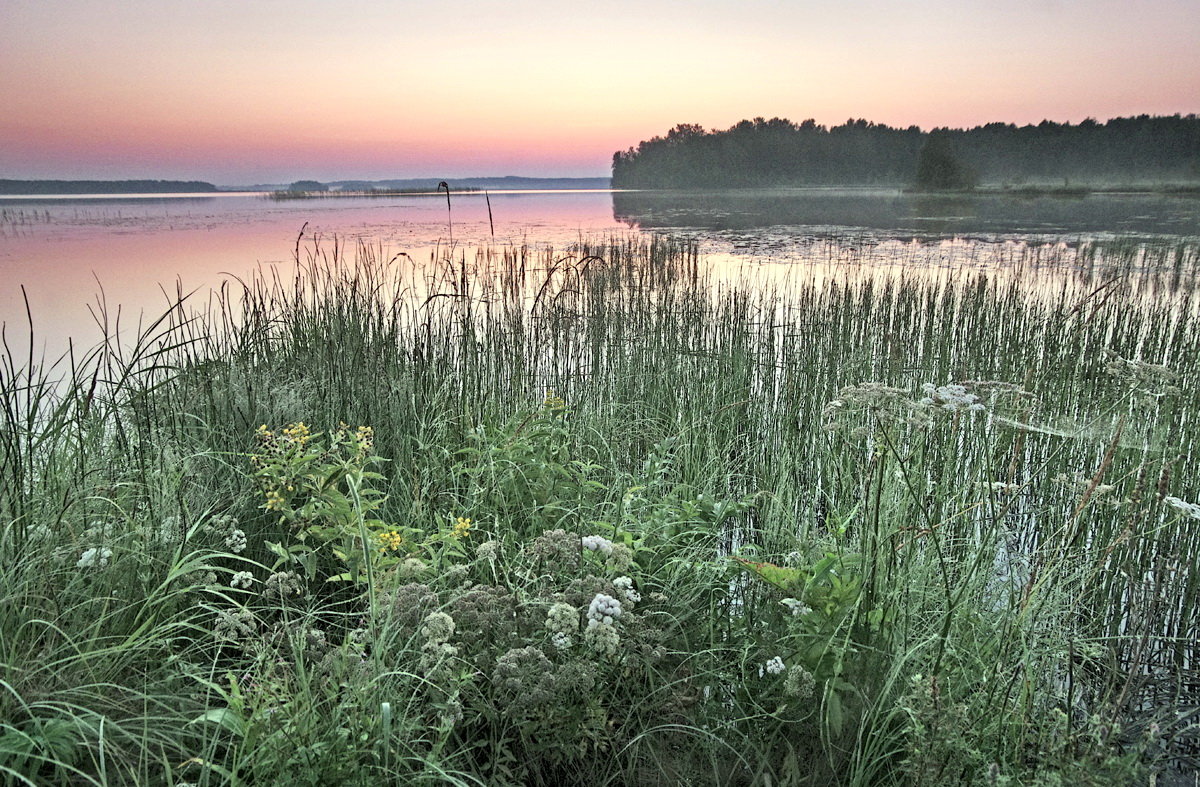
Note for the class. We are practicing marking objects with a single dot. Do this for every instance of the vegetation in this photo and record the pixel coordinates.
(54, 187)
(778, 152)
(596, 517)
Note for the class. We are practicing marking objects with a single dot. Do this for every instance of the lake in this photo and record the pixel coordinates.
(78, 257)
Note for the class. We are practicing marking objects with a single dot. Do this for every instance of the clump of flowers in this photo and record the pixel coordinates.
(552, 402)
(242, 579)
(462, 528)
(557, 549)
(774, 666)
(562, 620)
(411, 568)
(953, 398)
(525, 681)
(618, 557)
(391, 541)
(624, 588)
(96, 557)
(1191, 510)
(799, 682)
(597, 544)
(876, 402)
(235, 627)
(796, 606)
(604, 609)
(226, 527)
(282, 585)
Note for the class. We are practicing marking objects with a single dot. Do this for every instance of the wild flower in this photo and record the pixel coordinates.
(236, 541)
(952, 397)
(282, 585)
(602, 638)
(411, 568)
(488, 550)
(624, 587)
(242, 579)
(462, 528)
(391, 541)
(604, 609)
(298, 434)
(774, 666)
(799, 682)
(552, 402)
(882, 403)
(438, 627)
(562, 620)
(557, 549)
(620, 558)
(235, 626)
(597, 544)
(1191, 510)
(96, 557)
(524, 679)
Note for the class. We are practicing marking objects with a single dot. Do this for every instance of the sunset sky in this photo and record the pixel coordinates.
(265, 91)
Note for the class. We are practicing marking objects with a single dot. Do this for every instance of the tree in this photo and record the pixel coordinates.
(939, 169)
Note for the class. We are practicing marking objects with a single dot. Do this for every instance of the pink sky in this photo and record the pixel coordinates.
(270, 91)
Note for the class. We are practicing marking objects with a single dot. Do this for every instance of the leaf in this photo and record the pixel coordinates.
(833, 712)
(227, 718)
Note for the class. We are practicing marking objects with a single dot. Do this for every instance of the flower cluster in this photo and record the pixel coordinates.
(282, 585)
(774, 666)
(799, 682)
(624, 588)
(618, 556)
(1182, 506)
(562, 620)
(552, 402)
(226, 527)
(391, 541)
(797, 607)
(242, 579)
(462, 528)
(603, 610)
(951, 398)
(96, 557)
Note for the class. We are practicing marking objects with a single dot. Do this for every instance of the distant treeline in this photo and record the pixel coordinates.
(778, 152)
(44, 187)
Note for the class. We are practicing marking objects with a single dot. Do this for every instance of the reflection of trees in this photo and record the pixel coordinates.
(778, 152)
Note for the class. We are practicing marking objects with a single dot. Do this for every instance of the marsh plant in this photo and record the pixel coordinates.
(600, 517)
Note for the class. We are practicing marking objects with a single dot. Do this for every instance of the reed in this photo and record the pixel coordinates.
(969, 486)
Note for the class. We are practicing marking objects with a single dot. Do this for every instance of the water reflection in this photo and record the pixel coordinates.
(912, 215)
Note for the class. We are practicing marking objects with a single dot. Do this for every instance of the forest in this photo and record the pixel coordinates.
(1142, 150)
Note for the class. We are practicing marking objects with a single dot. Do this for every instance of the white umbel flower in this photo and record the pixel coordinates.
(597, 544)
(96, 557)
(775, 666)
(604, 609)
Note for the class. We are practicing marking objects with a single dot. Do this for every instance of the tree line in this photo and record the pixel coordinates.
(778, 152)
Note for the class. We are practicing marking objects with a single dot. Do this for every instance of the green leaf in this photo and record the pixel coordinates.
(226, 718)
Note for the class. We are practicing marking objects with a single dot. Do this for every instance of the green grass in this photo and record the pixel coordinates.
(1000, 593)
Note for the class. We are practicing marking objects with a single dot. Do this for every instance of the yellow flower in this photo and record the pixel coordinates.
(390, 541)
(297, 433)
(275, 500)
(462, 527)
(553, 402)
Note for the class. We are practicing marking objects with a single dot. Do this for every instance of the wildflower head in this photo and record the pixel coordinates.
(1185, 508)
(391, 541)
(552, 402)
(462, 528)
(799, 682)
(775, 666)
(604, 609)
(96, 557)
(438, 627)
(297, 434)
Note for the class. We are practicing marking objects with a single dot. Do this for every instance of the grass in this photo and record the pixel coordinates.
(826, 573)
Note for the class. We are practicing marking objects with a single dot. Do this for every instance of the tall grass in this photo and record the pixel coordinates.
(991, 584)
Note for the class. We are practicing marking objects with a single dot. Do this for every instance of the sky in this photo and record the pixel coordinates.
(265, 91)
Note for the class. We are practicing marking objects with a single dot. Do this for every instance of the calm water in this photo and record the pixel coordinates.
(78, 257)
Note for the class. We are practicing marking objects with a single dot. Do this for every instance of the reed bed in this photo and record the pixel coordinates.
(367, 522)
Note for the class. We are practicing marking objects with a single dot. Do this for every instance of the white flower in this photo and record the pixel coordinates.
(242, 579)
(597, 544)
(236, 541)
(603, 610)
(96, 557)
(775, 666)
(624, 586)
(1182, 506)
